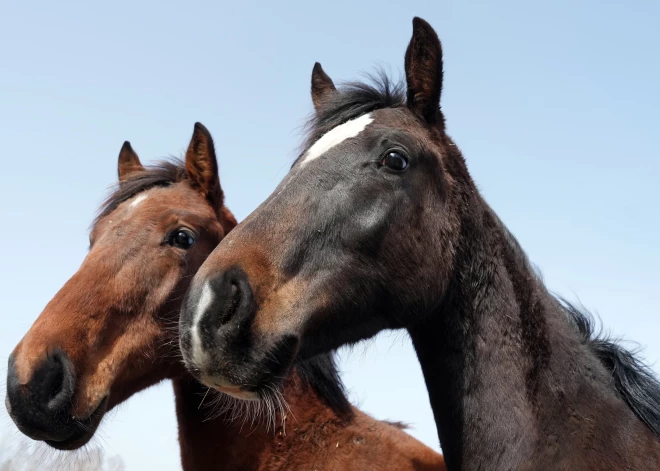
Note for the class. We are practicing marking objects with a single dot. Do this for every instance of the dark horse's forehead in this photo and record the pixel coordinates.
(396, 125)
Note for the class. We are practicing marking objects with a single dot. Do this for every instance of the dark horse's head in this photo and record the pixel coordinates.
(110, 331)
(334, 255)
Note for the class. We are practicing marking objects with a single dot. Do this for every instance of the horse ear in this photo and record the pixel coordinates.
(423, 66)
(202, 166)
(128, 163)
(322, 86)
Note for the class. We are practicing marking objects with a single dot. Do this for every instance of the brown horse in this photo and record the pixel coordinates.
(379, 225)
(112, 331)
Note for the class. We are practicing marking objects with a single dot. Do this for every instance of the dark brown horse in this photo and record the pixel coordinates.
(112, 331)
(378, 225)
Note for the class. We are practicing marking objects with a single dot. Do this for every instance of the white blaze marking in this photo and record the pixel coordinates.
(336, 136)
(138, 199)
(200, 357)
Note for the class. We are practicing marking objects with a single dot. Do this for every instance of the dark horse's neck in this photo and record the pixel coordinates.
(511, 383)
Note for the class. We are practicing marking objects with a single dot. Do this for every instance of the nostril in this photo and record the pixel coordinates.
(222, 303)
(54, 382)
(57, 382)
(235, 297)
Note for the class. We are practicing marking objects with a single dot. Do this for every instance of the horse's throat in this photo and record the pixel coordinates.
(486, 351)
(213, 443)
(484, 368)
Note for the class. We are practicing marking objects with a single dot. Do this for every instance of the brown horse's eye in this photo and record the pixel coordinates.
(182, 238)
(395, 161)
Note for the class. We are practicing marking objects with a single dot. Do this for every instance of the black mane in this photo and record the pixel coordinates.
(319, 372)
(163, 173)
(352, 101)
(633, 379)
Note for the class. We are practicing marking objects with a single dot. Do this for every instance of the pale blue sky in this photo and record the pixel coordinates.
(555, 106)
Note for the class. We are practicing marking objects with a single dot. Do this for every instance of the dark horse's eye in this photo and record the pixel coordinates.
(394, 161)
(182, 238)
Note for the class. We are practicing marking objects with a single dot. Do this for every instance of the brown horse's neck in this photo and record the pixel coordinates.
(511, 384)
(311, 437)
(216, 444)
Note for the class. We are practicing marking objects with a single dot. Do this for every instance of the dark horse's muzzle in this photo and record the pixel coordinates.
(217, 341)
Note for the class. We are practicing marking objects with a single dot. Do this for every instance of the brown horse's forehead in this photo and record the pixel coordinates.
(148, 208)
(178, 199)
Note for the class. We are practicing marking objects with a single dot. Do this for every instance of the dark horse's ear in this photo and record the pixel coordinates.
(424, 72)
(129, 162)
(202, 166)
(322, 86)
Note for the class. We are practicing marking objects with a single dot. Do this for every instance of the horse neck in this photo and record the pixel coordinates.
(223, 443)
(510, 381)
(310, 436)
(212, 444)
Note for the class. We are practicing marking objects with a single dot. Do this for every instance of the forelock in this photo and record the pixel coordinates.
(162, 174)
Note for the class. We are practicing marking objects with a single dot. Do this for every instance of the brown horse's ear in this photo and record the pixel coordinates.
(129, 162)
(322, 86)
(423, 66)
(202, 166)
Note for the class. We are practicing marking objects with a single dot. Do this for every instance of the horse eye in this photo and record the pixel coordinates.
(394, 161)
(182, 238)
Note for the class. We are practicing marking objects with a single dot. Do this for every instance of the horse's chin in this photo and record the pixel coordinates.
(84, 431)
(225, 387)
(238, 393)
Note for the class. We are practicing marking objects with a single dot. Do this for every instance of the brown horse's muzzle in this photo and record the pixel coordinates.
(40, 407)
(80, 354)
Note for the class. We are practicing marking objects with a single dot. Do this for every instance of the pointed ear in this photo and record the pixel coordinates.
(202, 166)
(424, 72)
(129, 162)
(322, 86)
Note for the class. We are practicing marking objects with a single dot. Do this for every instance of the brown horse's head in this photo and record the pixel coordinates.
(360, 235)
(111, 330)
